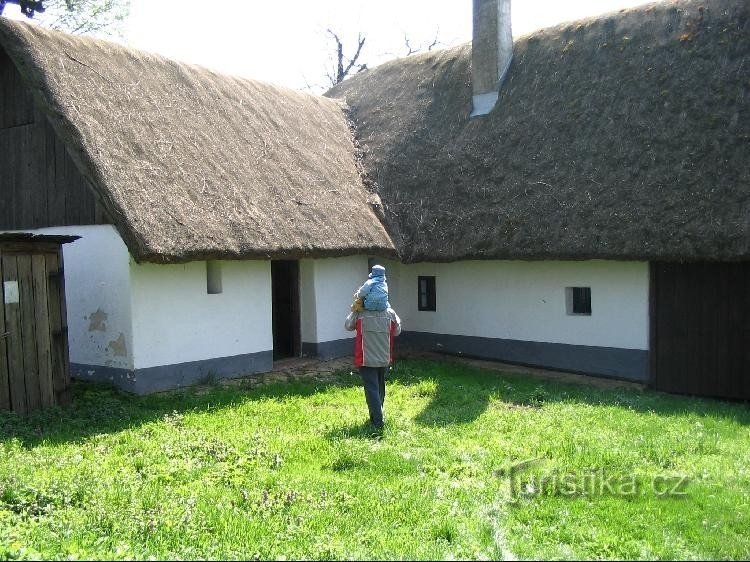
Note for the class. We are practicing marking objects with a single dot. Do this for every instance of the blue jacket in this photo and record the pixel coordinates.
(374, 292)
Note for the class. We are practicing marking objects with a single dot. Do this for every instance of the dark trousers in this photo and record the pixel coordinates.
(373, 379)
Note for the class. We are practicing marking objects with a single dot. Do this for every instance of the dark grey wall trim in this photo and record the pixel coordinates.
(629, 364)
(121, 378)
(329, 349)
(167, 377)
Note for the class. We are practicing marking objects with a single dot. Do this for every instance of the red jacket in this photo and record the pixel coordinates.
(375, 329)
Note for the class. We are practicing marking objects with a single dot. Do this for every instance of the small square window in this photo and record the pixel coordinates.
(213, 277)
(370, 263)
(426, 293)
(578, 301)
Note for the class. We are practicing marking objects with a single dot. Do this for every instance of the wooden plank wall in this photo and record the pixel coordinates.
(34, 368)
(16, 106)
(13, 341)
(4, 373)
(58, 328)
(42, 334)
(700, 326)
(40, 185)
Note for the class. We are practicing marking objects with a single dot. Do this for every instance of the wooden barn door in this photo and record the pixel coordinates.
(34, 368)
(700, 328)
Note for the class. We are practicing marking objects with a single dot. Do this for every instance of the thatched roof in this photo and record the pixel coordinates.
(625, 136)
(191, 164)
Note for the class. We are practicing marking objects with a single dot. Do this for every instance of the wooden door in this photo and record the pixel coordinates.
(286, 312)
(700, 328)
(5, 403)
(34, 367)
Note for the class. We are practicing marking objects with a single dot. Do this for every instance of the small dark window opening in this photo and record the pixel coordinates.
(426, 293)
(213, 278)
(579, 300)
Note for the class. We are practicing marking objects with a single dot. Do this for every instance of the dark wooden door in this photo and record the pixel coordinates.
(700, 328)
(285, 298)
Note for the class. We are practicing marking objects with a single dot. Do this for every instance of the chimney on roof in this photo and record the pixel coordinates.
(491, 52)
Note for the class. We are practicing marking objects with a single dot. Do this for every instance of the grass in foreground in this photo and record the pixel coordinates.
(289, 470)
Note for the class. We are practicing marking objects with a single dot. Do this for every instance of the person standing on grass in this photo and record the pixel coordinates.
(373, 354)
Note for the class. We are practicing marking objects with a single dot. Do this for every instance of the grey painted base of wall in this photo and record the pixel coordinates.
(628, 364)
(329, 349)
(167, 377)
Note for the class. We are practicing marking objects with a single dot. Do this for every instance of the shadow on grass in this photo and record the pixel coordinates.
(462, 393)
(457, 399)
(98, 408)
(363, 430)
(459, 394)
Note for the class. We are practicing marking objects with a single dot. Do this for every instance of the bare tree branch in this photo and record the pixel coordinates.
(343, 64)
(411, 49)
(353, 61)
(436, 41)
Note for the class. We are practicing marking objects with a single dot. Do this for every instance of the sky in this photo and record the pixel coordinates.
(285, 42)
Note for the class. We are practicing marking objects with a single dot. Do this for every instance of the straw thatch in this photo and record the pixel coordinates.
(194, 165)
(625, 136)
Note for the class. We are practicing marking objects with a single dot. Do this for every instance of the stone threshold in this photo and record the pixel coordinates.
(287, 370)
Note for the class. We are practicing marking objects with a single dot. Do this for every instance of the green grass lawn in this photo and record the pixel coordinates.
(289, 470)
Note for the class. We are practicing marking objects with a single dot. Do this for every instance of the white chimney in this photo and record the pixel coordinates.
(491, 52)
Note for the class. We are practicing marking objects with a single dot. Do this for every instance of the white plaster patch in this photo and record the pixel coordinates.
(10, 290)
(484, 103)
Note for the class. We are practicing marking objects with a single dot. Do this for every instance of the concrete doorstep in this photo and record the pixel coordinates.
(288, 370)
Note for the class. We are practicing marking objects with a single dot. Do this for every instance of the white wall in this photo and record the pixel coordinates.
(176, 321)
(97, 288)
(327, 287)
(307, 301)
(130, 316)
(525, 300)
